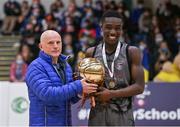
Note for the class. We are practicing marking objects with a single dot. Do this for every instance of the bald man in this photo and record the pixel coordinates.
(50, 85)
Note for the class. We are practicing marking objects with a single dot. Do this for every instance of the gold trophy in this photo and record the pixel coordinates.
(93, 71)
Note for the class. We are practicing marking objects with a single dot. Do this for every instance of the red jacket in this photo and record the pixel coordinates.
(13, 71)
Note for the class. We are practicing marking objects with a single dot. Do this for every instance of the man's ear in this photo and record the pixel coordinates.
(40, 46)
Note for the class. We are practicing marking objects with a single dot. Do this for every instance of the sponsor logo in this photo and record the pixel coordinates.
(119, 65)
(145, 94)
(19, 105)
(140, 99)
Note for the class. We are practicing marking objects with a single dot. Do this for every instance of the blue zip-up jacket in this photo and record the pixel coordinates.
(50, 98)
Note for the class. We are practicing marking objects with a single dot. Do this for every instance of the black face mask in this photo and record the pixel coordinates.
(28, 33)
(54, 9)
(168, 5)
(161, 61)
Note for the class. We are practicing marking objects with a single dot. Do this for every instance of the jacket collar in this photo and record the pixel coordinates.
(48, 58)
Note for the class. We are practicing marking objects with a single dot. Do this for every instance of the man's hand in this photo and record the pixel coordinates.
(104, 95)
(88, 87)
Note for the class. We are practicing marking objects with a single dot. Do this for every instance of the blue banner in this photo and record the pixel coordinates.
(159, 105)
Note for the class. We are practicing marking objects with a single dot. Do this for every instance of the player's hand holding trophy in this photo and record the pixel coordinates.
(93, 71)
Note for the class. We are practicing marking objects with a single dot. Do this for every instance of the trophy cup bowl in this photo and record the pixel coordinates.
(92, 70)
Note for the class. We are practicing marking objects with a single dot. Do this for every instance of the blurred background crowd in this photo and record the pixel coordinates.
(155, 32)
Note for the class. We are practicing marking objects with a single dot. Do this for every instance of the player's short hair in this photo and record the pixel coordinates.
(111, 13)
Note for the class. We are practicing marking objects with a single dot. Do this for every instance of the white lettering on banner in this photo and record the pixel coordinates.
(164, 115)
(178, 114)
(148, 115)
(172, 115)
(141, 114)
(154, 114)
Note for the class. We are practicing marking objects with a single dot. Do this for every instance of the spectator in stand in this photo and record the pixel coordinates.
(57, 9)
(50, 22)
(30, 37)
(73, 11)
(87, 29)
(18, 69)
(164, 55)
(24, 14)
(125, 14)
(87, 3)
(98, 9)
(154, 39)
(170, 71)
(37, 9)
(135, 15)
(69, 48)
(26, 53)
(70, 26)
(12, 11)
(145, 21)
(167, 11)
(110, 5)
(88, 25)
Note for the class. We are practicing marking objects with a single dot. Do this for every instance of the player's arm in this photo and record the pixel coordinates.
(89, 52)
(137, 75)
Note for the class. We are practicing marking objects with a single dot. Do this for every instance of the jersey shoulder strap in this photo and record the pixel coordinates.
(94, 51)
